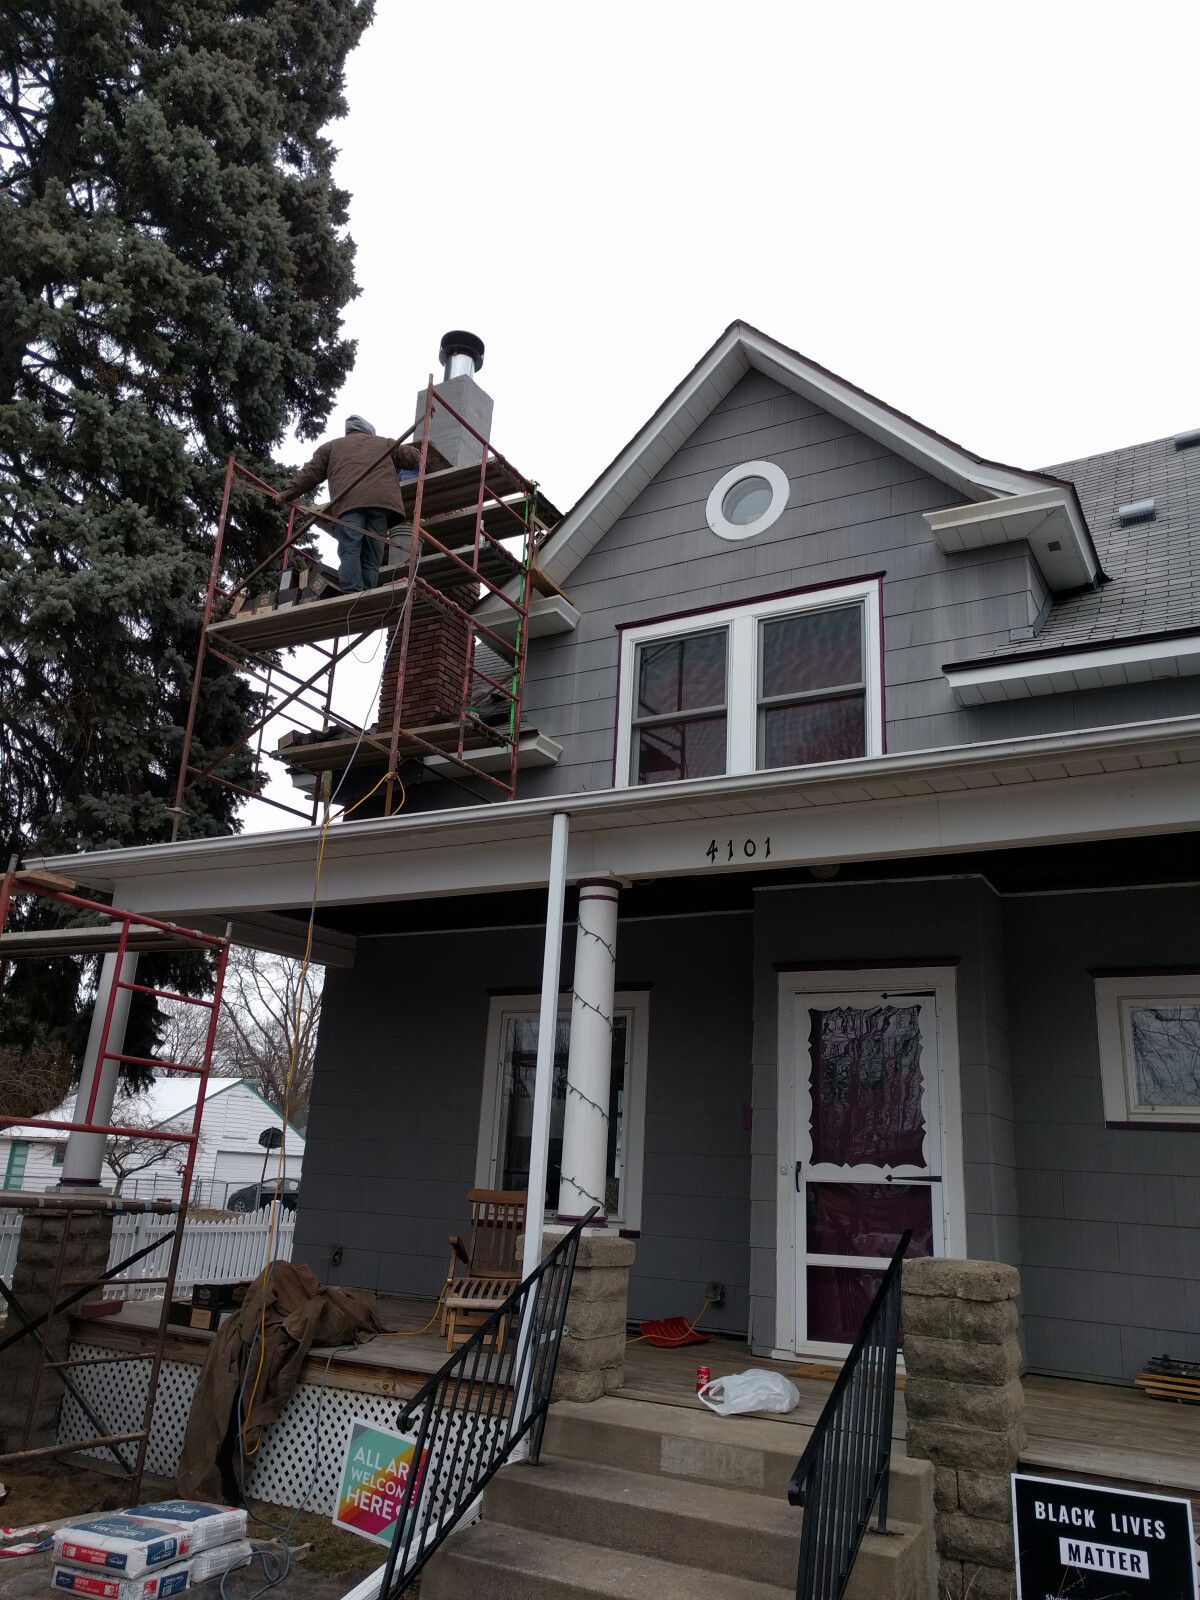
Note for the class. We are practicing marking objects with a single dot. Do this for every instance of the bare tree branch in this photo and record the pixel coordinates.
(263, 1012)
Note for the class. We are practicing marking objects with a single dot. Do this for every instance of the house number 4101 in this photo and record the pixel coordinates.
(730, 850)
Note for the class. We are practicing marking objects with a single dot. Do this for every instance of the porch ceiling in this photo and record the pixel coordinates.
(1096, 784)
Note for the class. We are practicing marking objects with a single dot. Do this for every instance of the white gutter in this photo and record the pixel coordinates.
(1070, 671)
(698, 800)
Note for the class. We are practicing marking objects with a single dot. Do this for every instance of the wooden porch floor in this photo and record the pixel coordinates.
(1091, 1430)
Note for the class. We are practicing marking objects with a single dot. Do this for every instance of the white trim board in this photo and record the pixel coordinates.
(1126, 781)
(1071, 671)
(943, 982)
(1049, 520)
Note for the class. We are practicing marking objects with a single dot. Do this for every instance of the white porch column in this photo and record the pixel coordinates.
(589, 1065)
(83, 1161)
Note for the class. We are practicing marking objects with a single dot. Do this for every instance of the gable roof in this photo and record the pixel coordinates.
(741, 349)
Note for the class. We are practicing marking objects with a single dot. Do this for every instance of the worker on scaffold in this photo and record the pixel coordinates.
(365, 495)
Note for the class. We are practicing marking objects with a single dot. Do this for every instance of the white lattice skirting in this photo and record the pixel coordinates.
(289, 1470)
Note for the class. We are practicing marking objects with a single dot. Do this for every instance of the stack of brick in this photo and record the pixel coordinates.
(591, 1359)
(433, 670)
(33, 1274)
(965, 1414)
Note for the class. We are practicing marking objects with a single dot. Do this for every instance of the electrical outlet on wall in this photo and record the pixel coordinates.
(715, 1295)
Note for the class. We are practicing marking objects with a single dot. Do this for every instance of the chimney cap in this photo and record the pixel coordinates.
(458, 342)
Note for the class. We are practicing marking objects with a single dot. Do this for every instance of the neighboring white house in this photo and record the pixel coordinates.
(230, 1156)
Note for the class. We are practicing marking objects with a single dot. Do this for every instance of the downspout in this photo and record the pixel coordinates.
(543, 1082)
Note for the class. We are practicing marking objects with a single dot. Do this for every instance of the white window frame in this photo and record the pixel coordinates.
(714, 511)
(633, 1003)
(1115, 998)
(742, 668)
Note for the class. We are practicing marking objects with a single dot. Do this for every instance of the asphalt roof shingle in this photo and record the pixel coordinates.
(1154, 566)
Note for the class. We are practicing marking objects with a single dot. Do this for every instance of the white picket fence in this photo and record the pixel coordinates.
(213, 1252)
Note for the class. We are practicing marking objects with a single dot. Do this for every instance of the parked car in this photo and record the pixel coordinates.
(257, 1195)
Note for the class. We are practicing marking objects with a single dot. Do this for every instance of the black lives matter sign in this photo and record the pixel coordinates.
(1089, 1543)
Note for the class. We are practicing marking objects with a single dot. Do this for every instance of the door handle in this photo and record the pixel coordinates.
(799, 1164)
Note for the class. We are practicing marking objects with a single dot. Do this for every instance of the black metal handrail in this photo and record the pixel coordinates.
(846, 1463)
(472, 1414)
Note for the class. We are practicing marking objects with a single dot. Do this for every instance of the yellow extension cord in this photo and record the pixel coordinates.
(250, 1450)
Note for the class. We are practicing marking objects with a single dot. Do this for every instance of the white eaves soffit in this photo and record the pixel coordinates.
(1022, 677)
(741, 349)
(1089, 784)
(1049, 519)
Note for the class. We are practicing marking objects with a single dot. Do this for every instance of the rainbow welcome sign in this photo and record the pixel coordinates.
(375, 1472)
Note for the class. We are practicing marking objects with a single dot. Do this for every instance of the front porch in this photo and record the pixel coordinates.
(1092, 1431)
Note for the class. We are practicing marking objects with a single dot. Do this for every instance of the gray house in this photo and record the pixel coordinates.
(878, 759)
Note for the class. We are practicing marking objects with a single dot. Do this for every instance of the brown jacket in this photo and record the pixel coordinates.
(300, 1312)
(361, 469)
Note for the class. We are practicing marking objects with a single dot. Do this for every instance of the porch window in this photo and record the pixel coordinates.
(777, 683)
(506, 1123)
(1148, 1029)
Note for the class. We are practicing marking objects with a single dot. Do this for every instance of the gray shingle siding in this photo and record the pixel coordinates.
(395, 1112)
(1109, 1215)
(855, 508)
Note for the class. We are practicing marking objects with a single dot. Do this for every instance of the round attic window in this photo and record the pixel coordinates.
(747, 500)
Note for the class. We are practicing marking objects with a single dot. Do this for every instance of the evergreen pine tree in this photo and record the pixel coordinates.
(173, 267)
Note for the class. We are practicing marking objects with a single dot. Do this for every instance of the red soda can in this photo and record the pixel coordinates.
(703, 1377)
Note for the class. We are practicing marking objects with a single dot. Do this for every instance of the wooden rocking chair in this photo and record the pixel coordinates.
(492, 1268)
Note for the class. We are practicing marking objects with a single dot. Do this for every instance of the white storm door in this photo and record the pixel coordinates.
(869, 1151)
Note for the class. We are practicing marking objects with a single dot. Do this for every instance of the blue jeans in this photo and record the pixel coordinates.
(358, 556)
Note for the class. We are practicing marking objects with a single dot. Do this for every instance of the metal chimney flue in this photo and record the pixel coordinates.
(461, 354)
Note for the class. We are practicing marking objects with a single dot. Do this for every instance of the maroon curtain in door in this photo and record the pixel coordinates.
(866, 1086)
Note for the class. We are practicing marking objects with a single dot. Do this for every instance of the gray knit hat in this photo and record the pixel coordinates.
(357, 424)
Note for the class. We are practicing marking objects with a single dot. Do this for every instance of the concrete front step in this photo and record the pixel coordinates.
(493, 1561)
(637, 1501)
(750, 1453)
(696, 1525)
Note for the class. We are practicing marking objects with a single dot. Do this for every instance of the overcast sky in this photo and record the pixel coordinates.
(983, 214)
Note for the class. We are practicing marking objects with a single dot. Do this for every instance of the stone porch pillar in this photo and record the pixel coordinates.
(965, 1411)
(589, 1064)
(591, 1358)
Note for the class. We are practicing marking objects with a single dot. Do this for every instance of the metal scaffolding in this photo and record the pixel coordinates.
(121, 933)
(474, 532)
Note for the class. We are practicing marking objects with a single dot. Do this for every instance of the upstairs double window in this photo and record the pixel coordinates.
(778, 683)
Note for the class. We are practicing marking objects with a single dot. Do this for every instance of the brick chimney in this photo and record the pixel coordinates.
(433, 673)
(437, 643)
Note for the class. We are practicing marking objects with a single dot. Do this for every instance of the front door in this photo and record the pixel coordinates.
(868, 1150)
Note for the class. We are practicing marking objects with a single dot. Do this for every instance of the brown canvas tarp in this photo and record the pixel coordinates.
(300, 1312)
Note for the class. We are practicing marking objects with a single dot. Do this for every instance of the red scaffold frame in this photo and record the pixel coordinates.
(123, 933)
(490, 508)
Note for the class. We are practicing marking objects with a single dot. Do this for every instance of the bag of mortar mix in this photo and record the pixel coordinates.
(154, 1535)
(159, 1584)
(756, 1390)
(98, 1585)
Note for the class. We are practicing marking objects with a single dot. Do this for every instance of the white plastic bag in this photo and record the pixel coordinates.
(756, 1390)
